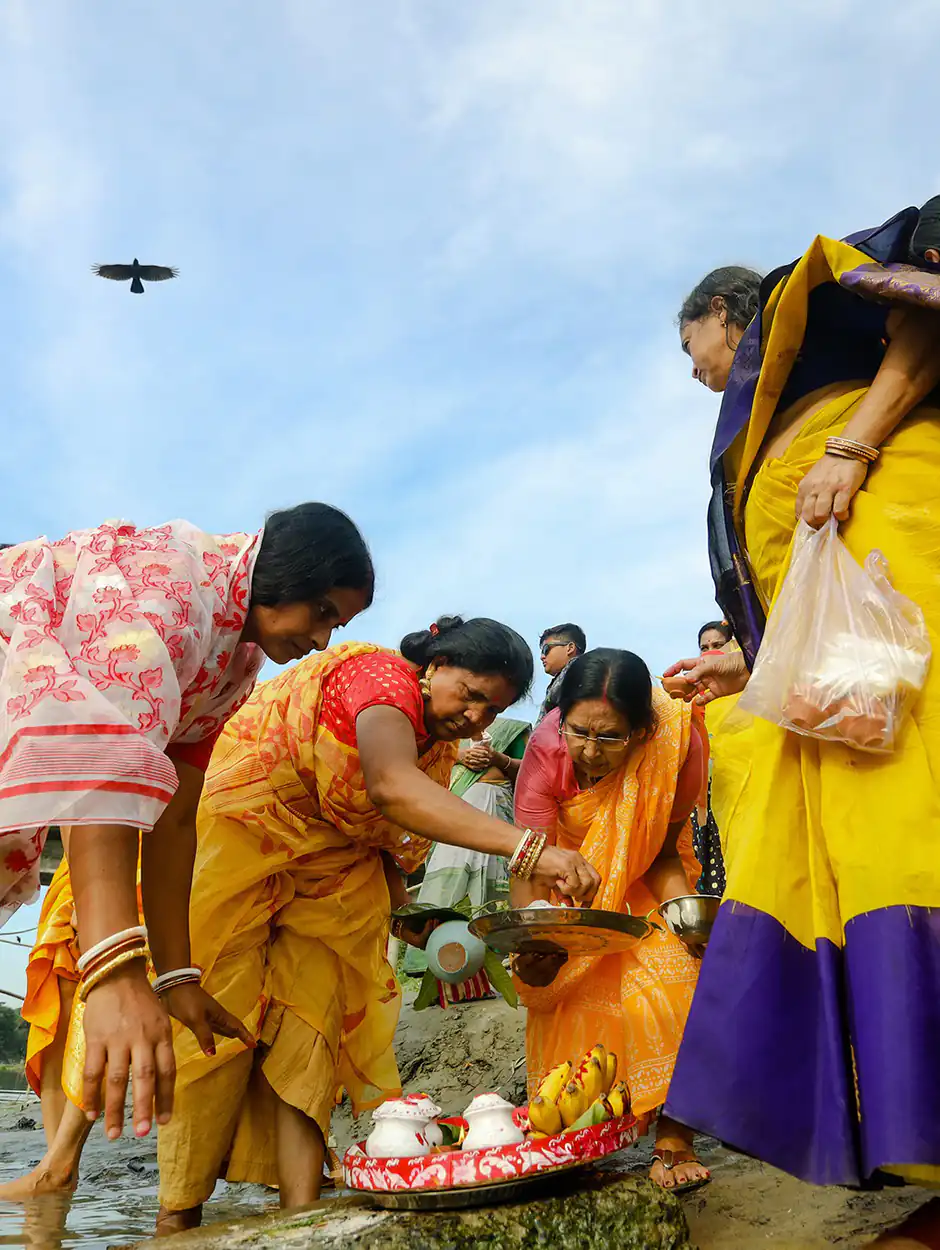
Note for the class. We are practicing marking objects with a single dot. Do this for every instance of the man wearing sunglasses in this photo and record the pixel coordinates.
(558, 647)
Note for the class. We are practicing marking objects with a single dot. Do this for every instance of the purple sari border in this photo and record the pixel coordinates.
(766, 1063)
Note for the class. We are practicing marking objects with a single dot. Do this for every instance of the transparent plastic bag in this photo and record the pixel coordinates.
(844, 655)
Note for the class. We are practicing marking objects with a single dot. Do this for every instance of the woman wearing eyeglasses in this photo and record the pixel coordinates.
(614, 772)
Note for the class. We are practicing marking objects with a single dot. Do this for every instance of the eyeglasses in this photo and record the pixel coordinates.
(549, 646)
(604, 741)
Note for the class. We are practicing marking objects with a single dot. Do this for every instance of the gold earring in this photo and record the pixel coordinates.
(424, 686)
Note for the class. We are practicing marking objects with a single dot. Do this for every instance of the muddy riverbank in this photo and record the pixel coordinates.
(451, 1055)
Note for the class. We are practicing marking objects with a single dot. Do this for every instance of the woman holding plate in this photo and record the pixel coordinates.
(614, 772)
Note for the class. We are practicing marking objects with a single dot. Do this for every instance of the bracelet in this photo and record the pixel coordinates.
(526, 855)
(850, 449)
(519, 852)
(130, 944)
(179, 976)
(109, 943)
(87, 984)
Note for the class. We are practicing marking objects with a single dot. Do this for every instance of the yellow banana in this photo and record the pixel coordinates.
(599, 1053)
(590, 1077)
(619, 1099)
(611, 1074)
(544, 1116)
(555, 1081)
(572, 1103)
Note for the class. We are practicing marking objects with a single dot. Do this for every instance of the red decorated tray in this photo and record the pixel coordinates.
(500, 1165)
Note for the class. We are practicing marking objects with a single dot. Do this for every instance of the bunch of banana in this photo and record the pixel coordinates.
(570, 1098)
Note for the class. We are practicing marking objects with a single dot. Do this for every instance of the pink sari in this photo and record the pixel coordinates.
(115, 642)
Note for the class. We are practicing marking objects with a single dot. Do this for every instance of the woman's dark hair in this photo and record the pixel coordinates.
(721, 627)
(737, 286)
(480, 645)
(307, 550)
(620, 677)
(926, 233)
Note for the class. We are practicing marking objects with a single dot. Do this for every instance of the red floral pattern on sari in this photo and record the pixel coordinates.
(114, 642)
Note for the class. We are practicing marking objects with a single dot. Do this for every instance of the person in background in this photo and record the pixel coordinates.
(484, 776)
(557, 648)
(714, 636)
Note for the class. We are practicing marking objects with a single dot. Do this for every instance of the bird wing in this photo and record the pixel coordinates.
(117, 273)
(156, 273)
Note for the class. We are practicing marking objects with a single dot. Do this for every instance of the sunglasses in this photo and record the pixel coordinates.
(550, 646)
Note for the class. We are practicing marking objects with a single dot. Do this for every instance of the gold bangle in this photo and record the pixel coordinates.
(851, 449)
(533, 852)
(88, 983)
(132, 944)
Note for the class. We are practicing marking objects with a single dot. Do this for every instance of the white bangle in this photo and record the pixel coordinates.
(109, 943)
(179, 976)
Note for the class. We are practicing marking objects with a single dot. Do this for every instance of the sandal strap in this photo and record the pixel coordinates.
(674, 1158)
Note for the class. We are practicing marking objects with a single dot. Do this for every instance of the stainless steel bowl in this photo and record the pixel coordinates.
(690, 916)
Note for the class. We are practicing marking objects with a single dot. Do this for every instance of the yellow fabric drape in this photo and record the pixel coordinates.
(635, 1003)
(53, 957)
(730, 743)
(289, 919)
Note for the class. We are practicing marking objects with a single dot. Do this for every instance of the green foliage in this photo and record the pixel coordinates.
(13, 1033)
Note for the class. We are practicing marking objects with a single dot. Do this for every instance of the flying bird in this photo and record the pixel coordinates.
(134, 273)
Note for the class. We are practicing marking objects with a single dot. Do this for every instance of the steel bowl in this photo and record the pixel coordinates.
(690, 917)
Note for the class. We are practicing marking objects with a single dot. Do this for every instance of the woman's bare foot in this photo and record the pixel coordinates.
(920, 1231)
(675, 1165)
(169, 1222)
(43, 1179)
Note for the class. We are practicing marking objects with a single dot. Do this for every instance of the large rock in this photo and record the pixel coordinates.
(608, 1213)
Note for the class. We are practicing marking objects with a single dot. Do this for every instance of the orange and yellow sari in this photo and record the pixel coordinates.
(289, 920)
(53, 958)
(635, 1003)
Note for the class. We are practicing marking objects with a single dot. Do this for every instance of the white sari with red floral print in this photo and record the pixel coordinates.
(114, 643)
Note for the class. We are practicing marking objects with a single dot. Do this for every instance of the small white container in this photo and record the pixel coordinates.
(400, 1128)
(491, 1123)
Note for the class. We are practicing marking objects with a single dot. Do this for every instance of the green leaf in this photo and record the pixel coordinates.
(427, 993)
(500, 979)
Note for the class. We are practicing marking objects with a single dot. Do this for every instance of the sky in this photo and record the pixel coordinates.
(430, 260)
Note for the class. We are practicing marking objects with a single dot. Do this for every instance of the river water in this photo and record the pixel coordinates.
(116, 1201)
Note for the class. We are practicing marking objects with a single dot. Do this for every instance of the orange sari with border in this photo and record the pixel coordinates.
(635, 1003)
(290, 919)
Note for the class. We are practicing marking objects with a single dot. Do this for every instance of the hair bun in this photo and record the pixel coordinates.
(446, 624)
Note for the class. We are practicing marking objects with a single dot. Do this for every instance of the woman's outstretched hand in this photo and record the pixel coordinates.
(708, 677)
(568, 873)
(126, 1026)
(206, 1018)
(828, 490)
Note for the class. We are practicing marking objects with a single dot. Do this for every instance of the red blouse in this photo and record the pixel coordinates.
(380, 679)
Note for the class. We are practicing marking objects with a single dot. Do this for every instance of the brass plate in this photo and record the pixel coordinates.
(568, 930)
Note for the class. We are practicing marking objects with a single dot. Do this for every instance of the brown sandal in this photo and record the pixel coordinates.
(671, 1159)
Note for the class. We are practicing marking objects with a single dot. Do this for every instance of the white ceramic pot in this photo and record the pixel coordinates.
(454, 954)
(399, 1130)
(491, 1123)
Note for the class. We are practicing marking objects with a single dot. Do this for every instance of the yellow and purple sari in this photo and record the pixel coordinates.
(814, 1035)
